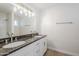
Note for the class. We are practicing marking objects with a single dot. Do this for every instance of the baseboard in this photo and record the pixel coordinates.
(66, 52)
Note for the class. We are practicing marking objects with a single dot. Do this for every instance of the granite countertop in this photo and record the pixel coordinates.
(7, 51)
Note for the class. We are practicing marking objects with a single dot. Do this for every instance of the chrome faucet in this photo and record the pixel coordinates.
(11, 37)
(6, 41)
(32, 33)
(16, 39)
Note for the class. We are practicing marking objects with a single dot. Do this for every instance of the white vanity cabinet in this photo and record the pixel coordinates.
(43, 46)
(37, 48)
(25, 51)
(40, 47)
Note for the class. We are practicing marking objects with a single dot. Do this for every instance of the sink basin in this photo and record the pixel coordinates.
(14, 44)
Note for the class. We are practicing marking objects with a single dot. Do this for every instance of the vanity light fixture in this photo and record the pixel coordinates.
(25, 14)
(25, 10)
(21, 11)
(15, 9)
(15, 23)
(33, 14)
(29, 13)
(19, 7)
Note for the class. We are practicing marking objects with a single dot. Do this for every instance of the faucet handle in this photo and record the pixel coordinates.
(6, 41)
(16, 39)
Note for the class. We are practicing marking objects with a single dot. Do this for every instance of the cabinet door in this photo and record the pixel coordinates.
(40, 47)
(36, 48)
(43, 46)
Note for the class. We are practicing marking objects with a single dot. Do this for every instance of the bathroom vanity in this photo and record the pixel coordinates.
(35, 46)
(17, 22)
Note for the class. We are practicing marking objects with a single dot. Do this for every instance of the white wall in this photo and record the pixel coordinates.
(62, 37)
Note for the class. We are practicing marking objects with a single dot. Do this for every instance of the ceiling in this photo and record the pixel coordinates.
(7, 7)
(41, 6)
(44, 6)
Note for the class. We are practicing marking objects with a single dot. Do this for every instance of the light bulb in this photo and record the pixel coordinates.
(15, 9)
(33, 14)
(25, 14)
(25, 10)
(15, 23)
(29, 13)
(21, 12)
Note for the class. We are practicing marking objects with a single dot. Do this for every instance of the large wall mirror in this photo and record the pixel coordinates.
(15, 20)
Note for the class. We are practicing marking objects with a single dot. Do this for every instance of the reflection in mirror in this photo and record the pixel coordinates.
(5, 16)
(23, 19)
(15, 20)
